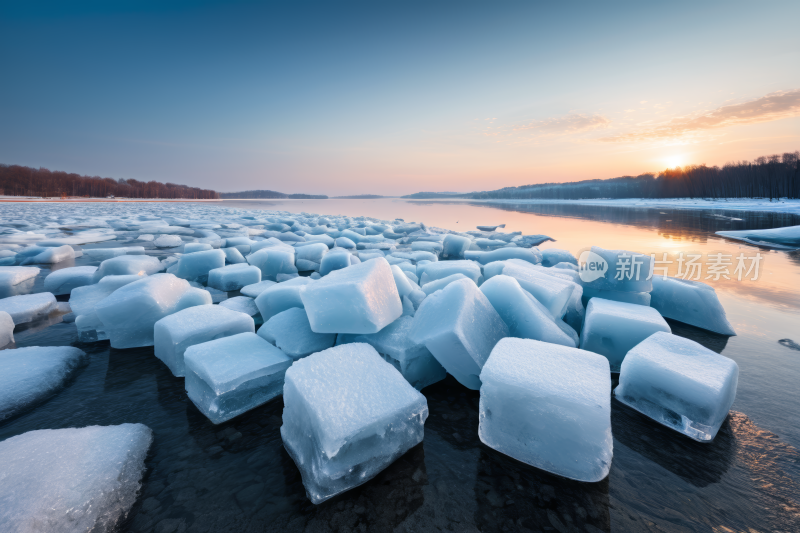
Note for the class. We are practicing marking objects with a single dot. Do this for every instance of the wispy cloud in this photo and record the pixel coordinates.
(774, 106)
(550, 127)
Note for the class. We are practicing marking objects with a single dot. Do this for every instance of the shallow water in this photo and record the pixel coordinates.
(237, 476)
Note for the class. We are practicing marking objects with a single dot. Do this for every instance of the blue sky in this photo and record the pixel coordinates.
(394, 97)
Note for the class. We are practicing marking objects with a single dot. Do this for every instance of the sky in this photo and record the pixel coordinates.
(397, 97)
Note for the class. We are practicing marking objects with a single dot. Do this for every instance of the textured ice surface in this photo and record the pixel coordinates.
(273, 261)
(191, 247)
(523, 314)
(31, 375)
(233, 256)
(414, 361)
(73, 479)
(83, 299)
(531, 255)
(613, 328)
(460, 327)
(130, 312)
(679, 383)
(197, 265)
(28, 307)
(553, 256)
(361, 298)
(232, 375)
(281, 296)
(291, 332)
(128, 265)
(310, 256)
(404, 284)
(244, 304)
(256, 288)
(455, 246)
(625, 271)
(690, 302)
(6, 329)
(234, 277)
(548, 406)
(50, 255)
(638, 298)
(173, 334)
(167, 241)
(553, 293)
(787, 238)
(347, 415)
(336, 259)
(14, 275)
(64, 280)
(442, 269)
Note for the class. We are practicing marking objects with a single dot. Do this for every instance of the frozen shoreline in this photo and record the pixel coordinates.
(735, 204)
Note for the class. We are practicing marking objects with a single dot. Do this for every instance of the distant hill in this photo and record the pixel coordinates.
(361, 197)
(265, 194)
(436, 195)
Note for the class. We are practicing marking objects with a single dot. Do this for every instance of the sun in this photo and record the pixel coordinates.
(676, 160)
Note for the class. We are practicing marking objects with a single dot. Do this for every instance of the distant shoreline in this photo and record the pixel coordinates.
(22, 199)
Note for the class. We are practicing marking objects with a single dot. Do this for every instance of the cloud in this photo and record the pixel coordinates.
(774, 106)
(550, 127)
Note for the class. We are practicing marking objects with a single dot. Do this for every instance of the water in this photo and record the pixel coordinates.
(237, 476)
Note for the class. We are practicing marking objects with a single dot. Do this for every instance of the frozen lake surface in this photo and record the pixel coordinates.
(237, 476)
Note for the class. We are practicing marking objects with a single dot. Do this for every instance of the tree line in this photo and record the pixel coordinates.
(267, 194)
(16, 180)
(775, 176)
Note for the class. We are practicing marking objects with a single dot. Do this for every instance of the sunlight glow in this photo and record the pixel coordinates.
(677, 160)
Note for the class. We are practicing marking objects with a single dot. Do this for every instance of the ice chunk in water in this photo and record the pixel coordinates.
(442, 269)
(64, 280)
(51, 255)
(787, 238)
(130, 312)
(281, 296)
(83, 299)
(531, 255)
(197, 265)
(613, 328)
(347, 415)
(679, 383)
(455, 246)
(233, 277)
(623, 270)
(232, 375)
(548, 406)
(14, 275)
(291, 332)
(28, 307)
(523, 314)
(6, 329)
(460, 327)
(73, 479)
(167, 241)
(690, 302)
(125, 265)
(414, 361)
(31, 375)
(173, 334)
(256, 288)
(362, 298)
(274, 261)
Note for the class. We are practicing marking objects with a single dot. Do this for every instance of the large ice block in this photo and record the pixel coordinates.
(531, 255)
(173, 334)
(256, 288)
(679, 383)
(551, 292)
(310, 256)
(31, 375)
(72, 479)
(548, 406)
(442, 269)
(14, 275)
(460, 327)
(638, 298)
(524, 315)
(28, 307)
(337, 259)
(613, 328)
(232, 375)
(6, 329)
(130, 312)
(273, 261)
(414, 361)
(291, 332)
(439, 284)
(64, 280)
(690, 302)
(125, 265)
(621, 270)
(245, 305)
(455, 245)
(347, 415)
(197, 265)
(361, 298)
(233, 277)
(167, 241)
(83, 299)
(282, 296)
(553, 256)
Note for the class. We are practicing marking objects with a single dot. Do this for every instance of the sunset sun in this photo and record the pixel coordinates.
(673, 161)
